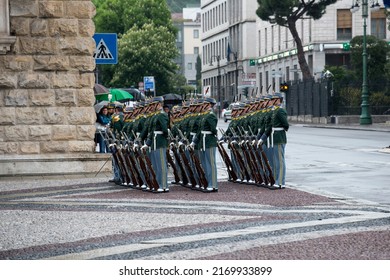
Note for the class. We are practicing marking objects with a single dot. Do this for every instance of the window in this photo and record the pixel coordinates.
(189, 66)
(196, 50)
(196, 33)
(5, 39)
(378, 24)
(344, 24)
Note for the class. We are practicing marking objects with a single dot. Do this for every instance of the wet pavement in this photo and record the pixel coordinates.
(86, 217)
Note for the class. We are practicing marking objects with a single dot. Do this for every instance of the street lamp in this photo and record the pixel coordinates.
(218, 58)
(365, 117)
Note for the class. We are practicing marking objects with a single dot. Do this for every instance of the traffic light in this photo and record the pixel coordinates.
(283, 87)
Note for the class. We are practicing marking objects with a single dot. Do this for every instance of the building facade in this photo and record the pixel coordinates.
(228, 44)
(325, 42)
(188, 42)
(47, 119)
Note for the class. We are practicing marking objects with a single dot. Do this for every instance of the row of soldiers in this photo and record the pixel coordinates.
(144, 145)
(257, 138)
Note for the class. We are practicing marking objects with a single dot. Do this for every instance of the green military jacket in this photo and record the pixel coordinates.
(158, 131)
(208, 123)
(280, 123)
(117, 123)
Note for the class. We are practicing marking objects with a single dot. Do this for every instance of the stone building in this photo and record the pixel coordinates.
(46, 87)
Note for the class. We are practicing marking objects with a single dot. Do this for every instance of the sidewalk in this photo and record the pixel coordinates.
(89, 218)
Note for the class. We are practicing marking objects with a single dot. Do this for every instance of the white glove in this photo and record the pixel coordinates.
(136, 146)
(181, 143)
(144, 147)
(192, 145)
(260, 143)
(253, 142)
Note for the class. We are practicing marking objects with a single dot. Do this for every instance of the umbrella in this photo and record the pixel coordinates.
(103, 103)
(172, 97)
(100, 89)
(120, 95)
(100, 105)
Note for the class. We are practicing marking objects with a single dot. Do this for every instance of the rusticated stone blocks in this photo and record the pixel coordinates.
(46, 79)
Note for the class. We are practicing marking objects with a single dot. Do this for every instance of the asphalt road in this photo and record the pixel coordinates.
(343, 163)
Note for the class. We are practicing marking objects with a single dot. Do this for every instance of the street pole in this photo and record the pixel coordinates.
(365, 117)
(236, 74)
(219, 86)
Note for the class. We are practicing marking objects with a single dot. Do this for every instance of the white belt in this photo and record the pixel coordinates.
(272, 134)
(155, 136)
(192, 135)
(204, 138)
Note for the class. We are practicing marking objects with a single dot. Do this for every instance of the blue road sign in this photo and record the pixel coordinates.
(106, 51)
(149, 83)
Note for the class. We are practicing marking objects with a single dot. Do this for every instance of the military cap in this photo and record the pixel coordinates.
(241, 105)
(210, 100)
(267, 97)
(128, 109)
(158, 99)
(277, 95)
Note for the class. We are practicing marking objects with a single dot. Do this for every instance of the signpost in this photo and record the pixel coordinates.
(149, 84)
(106, 51)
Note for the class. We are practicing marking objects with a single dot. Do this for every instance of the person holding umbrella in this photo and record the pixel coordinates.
(103, 121)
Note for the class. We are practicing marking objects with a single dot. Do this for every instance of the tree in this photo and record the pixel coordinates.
(146, 41)
(377, 52)
(149, 51)
(286, 13)
(118, 16)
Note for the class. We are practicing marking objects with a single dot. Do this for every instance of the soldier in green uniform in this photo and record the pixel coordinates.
(279, 140)
(157, 140)
(206, 138)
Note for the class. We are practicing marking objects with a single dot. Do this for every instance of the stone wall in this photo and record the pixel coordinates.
(46, 84)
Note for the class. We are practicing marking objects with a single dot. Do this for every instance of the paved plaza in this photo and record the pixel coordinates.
(80, 218)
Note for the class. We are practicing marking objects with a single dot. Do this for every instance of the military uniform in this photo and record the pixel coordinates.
(278, 141)
(206, 140)
(157, 139)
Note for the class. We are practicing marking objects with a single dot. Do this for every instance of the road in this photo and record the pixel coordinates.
(341, 163)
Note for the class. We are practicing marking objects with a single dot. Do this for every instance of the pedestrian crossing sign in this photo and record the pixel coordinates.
(106, 51)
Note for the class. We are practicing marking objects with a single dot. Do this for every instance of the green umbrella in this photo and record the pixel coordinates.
(120, 95)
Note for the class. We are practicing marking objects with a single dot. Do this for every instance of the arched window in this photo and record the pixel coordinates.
(5, 39)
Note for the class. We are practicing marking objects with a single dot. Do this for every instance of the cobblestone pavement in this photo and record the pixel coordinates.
(89, 218)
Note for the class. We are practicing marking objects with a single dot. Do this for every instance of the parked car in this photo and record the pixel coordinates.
(227, 113)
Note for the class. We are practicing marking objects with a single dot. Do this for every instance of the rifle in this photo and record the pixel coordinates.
(113, 150)
(123, 164)
(243, 167)
(250, 157)
(146, 166)
(198, 166)
(170, 160)
(179, 161)
(226, 159)
(138, 172)
(258, 159)
(263, 157)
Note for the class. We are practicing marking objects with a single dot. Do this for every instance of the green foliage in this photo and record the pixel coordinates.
(118, 16)
(377, 52)
(287, 13)
(146, 42)
(146, 52)
(176, 6)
